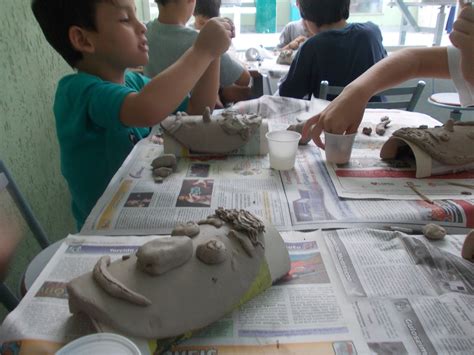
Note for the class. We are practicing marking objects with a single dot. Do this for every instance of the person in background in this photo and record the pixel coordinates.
(337, 52)
(204, 11)
(102, 109)
(294, 34)
(345, 113)
(169, 37)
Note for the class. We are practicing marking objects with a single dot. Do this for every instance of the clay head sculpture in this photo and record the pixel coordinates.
(179, 284)
(219, 134)
(450, 145)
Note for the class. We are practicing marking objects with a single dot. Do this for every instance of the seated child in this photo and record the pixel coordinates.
(102, 108)
(168, 38)
(337, 52)
(345, 113)
(294, 34)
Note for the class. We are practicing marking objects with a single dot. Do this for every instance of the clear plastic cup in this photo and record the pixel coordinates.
(338, 147)
(282, 147)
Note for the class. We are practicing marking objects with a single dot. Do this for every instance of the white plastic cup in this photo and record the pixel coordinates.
(282, 147)
(338, 147)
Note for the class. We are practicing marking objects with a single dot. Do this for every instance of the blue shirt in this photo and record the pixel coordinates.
(93, 141)
(338, 56)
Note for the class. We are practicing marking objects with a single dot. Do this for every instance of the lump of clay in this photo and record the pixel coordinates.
(219, 134)
(381, 127)
(433, 231)
(286, 57)
(162, 255)
(163, 166)
(190, 229)
(299, 128)
(450, 144)
(467, 250)
(151, 295)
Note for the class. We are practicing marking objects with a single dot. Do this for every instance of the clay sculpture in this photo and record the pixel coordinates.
(286, 56)
(449, 145)
(219, 134)
(175, 285)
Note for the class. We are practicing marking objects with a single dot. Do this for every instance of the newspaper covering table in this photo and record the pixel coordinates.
(300, 199)
(367, 176)
(347, 292)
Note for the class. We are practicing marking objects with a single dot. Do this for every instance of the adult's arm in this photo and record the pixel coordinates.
(344, 114)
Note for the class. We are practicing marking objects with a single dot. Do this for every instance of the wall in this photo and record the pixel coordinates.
(29, 71)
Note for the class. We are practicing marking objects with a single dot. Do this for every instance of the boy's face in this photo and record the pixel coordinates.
(120, 40)
(200, 21)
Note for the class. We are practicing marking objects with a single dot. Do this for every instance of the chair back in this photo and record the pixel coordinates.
(13, 206)
(411, 95)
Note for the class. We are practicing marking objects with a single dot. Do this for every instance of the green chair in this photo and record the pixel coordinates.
(411, 95)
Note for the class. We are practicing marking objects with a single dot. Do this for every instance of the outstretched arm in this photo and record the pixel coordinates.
(462, 38)
(344, 114)
(167, 90)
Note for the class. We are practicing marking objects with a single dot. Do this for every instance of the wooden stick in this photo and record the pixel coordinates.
(419, 193)
(461, 184)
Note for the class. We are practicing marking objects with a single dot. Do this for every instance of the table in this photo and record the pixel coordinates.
(409, 21)
(449, 100)
(340, 284)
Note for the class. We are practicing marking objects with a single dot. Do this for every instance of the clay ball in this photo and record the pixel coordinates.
(212, 252)
(433, 231)
(467, 250)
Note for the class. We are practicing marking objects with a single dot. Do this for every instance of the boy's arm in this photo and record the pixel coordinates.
(205, 91)
(344, 114)
(167, 90)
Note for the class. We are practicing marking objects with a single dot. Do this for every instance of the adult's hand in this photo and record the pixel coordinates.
(342, 116)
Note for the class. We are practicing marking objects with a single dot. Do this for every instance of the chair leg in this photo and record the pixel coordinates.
(7, 297)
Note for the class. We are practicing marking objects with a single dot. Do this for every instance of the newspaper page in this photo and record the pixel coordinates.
(367, 176)
(303, 198)
(134, 204)
(303, 313)
(411, 296)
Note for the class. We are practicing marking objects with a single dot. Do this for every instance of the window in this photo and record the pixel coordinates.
(259, 22)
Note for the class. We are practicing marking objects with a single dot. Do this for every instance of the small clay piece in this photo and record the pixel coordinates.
(381, 127)
(245, 243)
(367, 131)
(286, 56)
(162, 172)
(299, 128)
(165, 160)
(219, 134)
(212, 252)
(114, 287)
(450, 144)
(433, 231)
(158, 179)
(467, 251)
(243, 221)
(212, 220)
(206, 116)
(189, 229)
(164, 254)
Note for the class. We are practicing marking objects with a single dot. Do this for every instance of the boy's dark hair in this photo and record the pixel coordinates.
(207, 8)
(55, 17)
(324, 12)
(163, 2)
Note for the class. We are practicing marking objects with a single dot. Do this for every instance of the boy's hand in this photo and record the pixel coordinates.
(214, 38)
(462, 37)
(231, 24)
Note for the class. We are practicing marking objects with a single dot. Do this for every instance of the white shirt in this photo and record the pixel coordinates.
(464, 89)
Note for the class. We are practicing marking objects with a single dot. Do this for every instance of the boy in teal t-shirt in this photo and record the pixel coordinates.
(103, 109)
